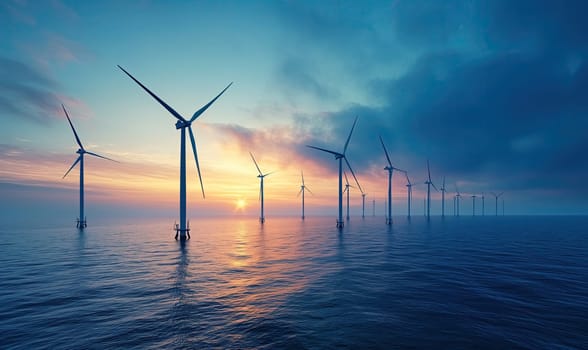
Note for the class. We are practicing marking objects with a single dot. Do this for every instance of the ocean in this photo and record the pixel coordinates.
(506, 282)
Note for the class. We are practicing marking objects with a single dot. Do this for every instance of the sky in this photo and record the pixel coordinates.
(493, 93)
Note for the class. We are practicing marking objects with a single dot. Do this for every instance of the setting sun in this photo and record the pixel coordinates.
(240, 204)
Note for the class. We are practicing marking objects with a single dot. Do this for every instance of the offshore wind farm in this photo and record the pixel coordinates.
(449, 103)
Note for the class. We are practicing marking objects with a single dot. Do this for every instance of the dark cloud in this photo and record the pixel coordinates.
(26, 93)
(512, 116)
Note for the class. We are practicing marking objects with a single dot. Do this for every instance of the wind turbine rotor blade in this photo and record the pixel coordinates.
(346, 180)
(386, 152)
(353, 173)
(308, 189)
(302, 174)
(326, 150)
(435, 187)
(205, 107)
(299, 192)
(72, 128)
(349, 137)
(72, 166)
(252, 157)
(501, 193)
(268, 174)
(196, 159)
(103, 157)
(165, 105)
(429, 170)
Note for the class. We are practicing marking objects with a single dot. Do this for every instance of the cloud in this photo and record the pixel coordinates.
(496, 97)
(26, 93)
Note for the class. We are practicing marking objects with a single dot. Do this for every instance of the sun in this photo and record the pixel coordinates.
(240, 204)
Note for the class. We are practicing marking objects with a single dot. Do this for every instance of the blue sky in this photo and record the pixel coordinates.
(494, 93)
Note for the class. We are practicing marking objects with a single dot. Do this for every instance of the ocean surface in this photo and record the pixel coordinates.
(454, 283)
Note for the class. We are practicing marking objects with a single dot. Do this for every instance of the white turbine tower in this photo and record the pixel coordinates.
(443, 189)
(81, 221)
(496, 198)
(429, 183)
(409, 190)
(303, 188)
(182, 229)
(390, 168)
(340, 157)
(261, 176)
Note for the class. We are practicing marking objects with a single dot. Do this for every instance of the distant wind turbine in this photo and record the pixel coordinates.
(347, 185)
(182, 229)
(496, 198)
(443, 189)
(458, 197)
(340, 157)
(409, 190)
(390, 168)
(473, 205)
(81, 222)
(261, 176)
(483, 209)
(303, 188)
(429, 183)
(363, 204)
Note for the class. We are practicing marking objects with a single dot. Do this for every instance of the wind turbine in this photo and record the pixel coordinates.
(81, 221)
(303, 189)
(182, 229)
(409, 190)
(496, 198)
(347, 185)
(390, 169)
(457, 196)
(454, 212)
(340, 157)
(483, 209)
(374, 206)
(443, 198)
(363, 204)
(261, 176)
(473, 205)
(429, 183)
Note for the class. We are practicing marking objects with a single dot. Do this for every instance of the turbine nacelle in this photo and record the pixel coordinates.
(183, 124)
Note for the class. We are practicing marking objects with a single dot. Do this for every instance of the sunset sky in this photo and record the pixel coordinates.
(493, 93)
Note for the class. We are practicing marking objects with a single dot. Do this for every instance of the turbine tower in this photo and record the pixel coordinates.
(429, 183)
(496, 198)
(409, 190)
(303, 188)
(347, 185)
(457, 197)
(483, 204)
(363, 204)
(182, 229)
(81, 222)
(340, 157)
(473, 205)
(390, 169)
(443, 189)
(261, 176)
